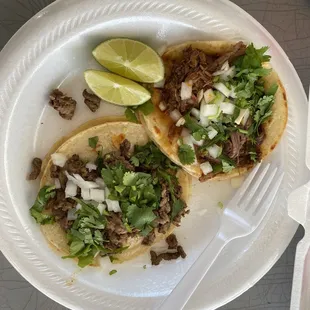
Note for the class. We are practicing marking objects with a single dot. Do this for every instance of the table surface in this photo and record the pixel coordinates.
(289, 22)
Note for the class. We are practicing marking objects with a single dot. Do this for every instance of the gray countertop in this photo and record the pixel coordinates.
(289, 22)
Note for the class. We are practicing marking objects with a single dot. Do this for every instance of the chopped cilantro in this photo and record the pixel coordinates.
(93, 141)
(146, 108)
(227, 167)
(112, 272)
(186, 154)
(113, 259)
(45, 194)
(144, 266)
(177, 207)
(140, 217)
(272, 90)
(131, 115)
(220, 205)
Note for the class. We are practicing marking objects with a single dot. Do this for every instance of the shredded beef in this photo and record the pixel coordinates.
(238, 50)
(63, 104)
(233, 146)
(260, 138)
(149, 239)
(124, 148)
(91, 100)
(172, 241)
(114, 159)
(198, 67)
(181, 251)
(36, 165)
(116, 231)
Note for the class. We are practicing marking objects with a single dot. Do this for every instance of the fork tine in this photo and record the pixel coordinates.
(240, 193)
(261, 212)
(254, 186)
(262, 191)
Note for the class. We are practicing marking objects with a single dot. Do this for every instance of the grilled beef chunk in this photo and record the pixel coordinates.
(149, 239)
(91, 100)
(124, 148)
(116, 231)
(63, 104)
(172, 244)
(57, 172)
(36, 165)
(172, 241)
(114, 158)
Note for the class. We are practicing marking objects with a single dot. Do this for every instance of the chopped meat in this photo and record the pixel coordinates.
(204, 156)
(163, 228)
(234, 145)
(36, 165)
(124, 148)
(181, 251)
(65, 224)
(91, 100)
(238, 50)
(114, 159)
(60, 205)
(149, 239)
(155, 259)
(172, 241)
(57, 172)
(116, 231)
(63, 104)
(74, 164)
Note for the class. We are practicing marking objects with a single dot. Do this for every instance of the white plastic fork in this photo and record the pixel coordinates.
(241, 217)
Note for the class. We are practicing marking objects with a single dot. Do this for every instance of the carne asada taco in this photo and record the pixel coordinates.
(109, 191)
(220, 110)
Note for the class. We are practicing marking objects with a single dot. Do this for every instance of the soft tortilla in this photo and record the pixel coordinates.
(158, 123)
(110, 135)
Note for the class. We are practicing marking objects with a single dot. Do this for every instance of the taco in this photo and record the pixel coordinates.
(109, 191)
(220, 109)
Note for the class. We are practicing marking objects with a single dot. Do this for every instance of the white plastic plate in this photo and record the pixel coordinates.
(53, 49)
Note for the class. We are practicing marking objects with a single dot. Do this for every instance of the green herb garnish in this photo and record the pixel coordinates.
(93, 141)
(146, 108)
(131, 115)
(112, 272)
(186, 154)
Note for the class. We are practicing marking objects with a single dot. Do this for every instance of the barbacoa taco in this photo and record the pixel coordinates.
(220, 110)
(109, 191)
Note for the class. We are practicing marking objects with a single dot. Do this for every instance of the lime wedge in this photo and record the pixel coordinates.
(116, 89)
(131, 59)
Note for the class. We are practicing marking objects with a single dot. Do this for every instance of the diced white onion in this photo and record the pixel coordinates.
(225, 66)
(210, 110)
(113, 205)
(71, 216)
(186, 90)
(160, 84)
(91, 166)
(199, 143)
(80, 182)
(229, 73)
(233, 93)
(204, 121)
(245, 117)
(196, 113)
(57, 183)
(180, 122)
(101, 207)
(227, 108)
(242, 113)
(236, 182)
(219, 98)
(200, 95)
(206, 168)
(71, 189)
(222, 88)
(175, 115)
(162, 106)
(209, 96)
(59, 159)
(97, 194)
(100, 182)
(78, 207)
(214, 151)
(85, 193)
(211, 132)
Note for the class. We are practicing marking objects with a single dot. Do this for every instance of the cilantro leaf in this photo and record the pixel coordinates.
(93, 141)
(112, 272)
(140, 217)
(227, 167)
(177, 207)
(186, 154)
(44, 195)
(131, 115)
(272, 90)
(107, 176)
(146, 108)
(135, 161)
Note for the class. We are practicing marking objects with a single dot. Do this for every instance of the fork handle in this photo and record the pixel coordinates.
(190, 281)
